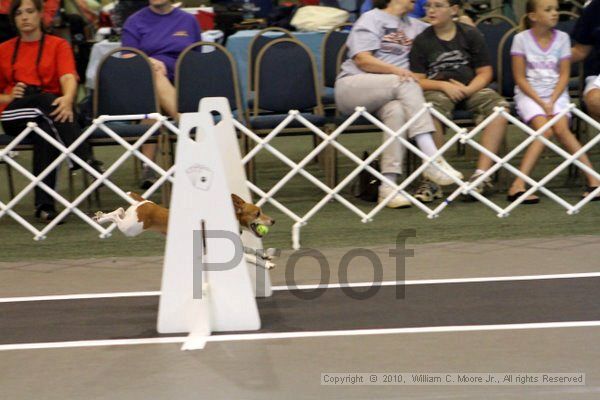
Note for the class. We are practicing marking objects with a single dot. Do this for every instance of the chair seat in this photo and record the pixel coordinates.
(574, 83)
(328, 97)
(123, 130)
(271, 121)
(6, 139)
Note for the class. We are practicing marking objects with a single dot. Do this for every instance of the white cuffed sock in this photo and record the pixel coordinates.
(426, 144)
(391, 176)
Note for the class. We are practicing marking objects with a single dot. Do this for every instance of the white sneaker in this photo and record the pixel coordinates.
(441, 178)
(398, 201)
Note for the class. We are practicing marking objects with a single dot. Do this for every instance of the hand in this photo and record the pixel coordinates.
(18, 91)
(64, 109)
(158, 66)
(548, 108)
(467, 91)
(404, 74)
(453, 91)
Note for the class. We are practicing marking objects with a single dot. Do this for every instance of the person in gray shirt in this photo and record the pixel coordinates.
(376, 76)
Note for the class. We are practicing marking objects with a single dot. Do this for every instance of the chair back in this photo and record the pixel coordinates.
(286, 78)
(206, 74)
(566, 23)
(493, 28)
(333, 41)
(506, 81)
(260, 40)
(125, 84)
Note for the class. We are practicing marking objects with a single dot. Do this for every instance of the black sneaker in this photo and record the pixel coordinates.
(148, 178)
(46, 213)
(485, 187)
(96, 164)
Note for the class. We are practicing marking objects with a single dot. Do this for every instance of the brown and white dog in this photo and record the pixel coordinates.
(145, 215)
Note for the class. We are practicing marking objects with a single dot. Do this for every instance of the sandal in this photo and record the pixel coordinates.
(532, 199)
(588, 190)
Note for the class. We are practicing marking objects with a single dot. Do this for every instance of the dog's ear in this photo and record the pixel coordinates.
(135, 196)
(238, 203)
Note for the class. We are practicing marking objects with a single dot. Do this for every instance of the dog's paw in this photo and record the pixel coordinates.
(270, 254)
(269, 265)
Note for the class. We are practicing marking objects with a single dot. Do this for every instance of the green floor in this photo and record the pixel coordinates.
(333, 226)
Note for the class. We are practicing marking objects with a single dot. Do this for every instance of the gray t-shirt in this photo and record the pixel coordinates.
(390, 39)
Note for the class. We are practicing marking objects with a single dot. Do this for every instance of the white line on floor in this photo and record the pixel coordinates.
(78, 296)
(443, 281)
(295, 335)
(323, 286)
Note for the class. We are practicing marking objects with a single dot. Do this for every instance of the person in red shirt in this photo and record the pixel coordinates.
(38, 82)
(7, 31)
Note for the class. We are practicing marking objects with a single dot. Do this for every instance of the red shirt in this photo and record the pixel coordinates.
(50, 9)
(57, 60)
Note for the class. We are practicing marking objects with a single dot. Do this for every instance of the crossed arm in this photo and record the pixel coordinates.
(456, 90)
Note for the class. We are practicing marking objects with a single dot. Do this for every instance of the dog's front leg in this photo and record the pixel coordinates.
(114, 216)
(259, 261)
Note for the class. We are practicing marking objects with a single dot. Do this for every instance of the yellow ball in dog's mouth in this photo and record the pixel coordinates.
(262, 230)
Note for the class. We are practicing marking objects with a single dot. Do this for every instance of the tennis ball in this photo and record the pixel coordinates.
(262, 230)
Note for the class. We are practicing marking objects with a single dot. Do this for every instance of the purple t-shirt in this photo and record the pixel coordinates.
(161, 36)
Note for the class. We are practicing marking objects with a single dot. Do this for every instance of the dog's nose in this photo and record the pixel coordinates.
(272, 222)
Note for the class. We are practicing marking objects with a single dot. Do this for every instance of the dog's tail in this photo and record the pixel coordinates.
(135, 196)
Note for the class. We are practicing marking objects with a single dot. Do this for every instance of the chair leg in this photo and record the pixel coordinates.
(71, 185)
(86, 183)
(11, 183)
(249, 165)
(163, 145)
(316, 141)
(330, 161)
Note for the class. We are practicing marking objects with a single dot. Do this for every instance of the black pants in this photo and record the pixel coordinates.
(14, 120)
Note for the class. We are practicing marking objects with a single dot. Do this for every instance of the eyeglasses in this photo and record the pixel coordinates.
(435, 6)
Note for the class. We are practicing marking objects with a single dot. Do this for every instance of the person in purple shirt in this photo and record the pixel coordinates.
(162, 32)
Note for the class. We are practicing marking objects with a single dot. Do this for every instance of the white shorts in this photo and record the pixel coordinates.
(591, 83)
(528, 109)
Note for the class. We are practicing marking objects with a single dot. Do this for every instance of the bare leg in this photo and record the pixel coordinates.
(491, 139)
(438, 135)
(166, 96)
(570, 142)
(532, 154)
(592, 101)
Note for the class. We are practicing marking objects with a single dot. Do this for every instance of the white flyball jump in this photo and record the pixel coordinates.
(197, 295)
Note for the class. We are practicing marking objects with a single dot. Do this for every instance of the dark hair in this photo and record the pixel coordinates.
(455, 3)
(525, 21)
(381, 4)
(38, 4)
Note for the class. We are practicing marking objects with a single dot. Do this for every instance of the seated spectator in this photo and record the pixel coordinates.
(453, 67)
(162, 32)
(38, 82)
(541, 69)
(418, 11)
(587, 38)
(376, 76)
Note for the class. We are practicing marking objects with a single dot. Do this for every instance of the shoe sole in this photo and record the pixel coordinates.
(445, 181)
(404, 205)
(433, 197)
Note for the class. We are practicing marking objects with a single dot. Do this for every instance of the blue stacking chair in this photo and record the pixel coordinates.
(260, 40)
(333, 42)
(285, 77)
(207, 74)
